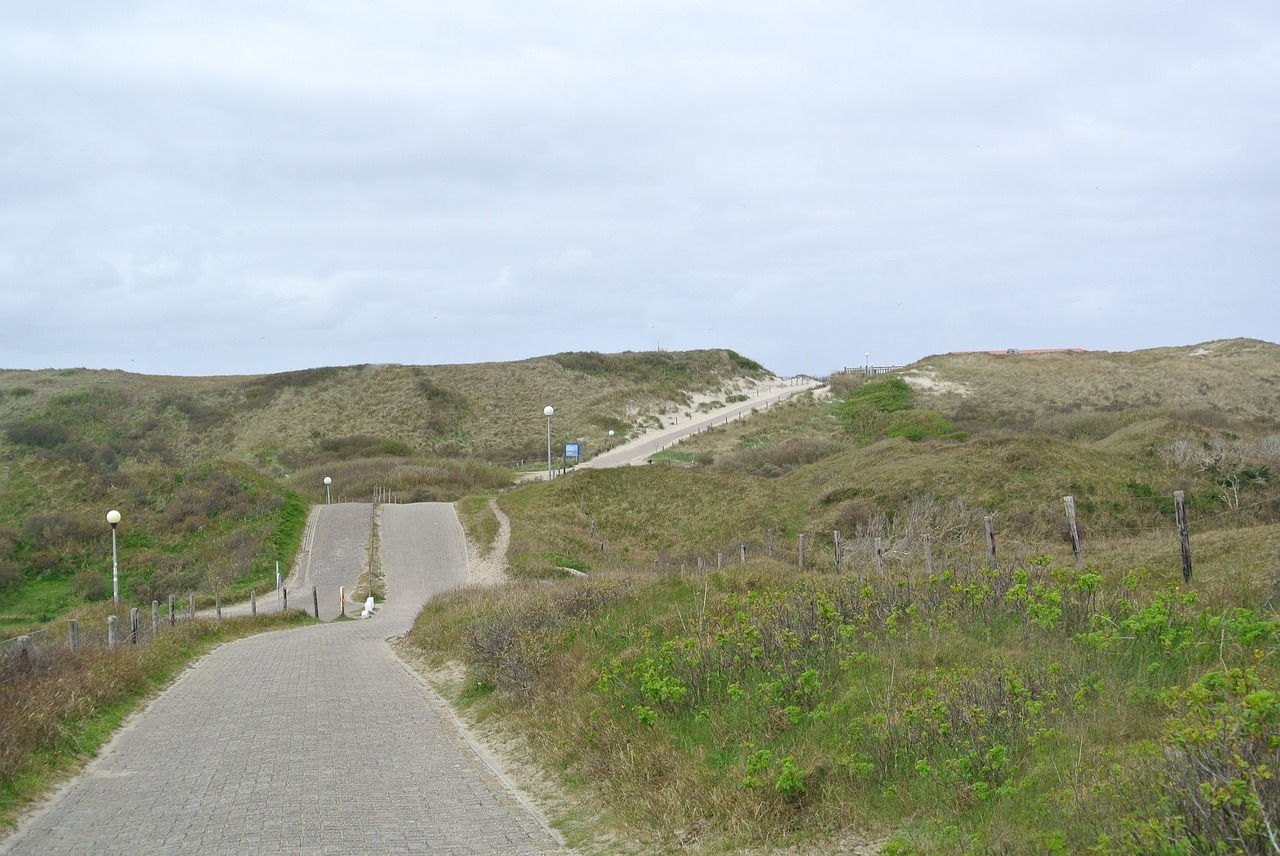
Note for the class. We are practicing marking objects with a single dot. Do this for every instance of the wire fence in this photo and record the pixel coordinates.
(929, 535)
(130, 627)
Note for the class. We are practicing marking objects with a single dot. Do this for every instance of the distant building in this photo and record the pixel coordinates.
(1020, 352)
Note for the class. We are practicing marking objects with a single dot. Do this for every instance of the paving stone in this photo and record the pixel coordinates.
(312, 740)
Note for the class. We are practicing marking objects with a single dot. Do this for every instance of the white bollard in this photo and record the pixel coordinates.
(368, 607)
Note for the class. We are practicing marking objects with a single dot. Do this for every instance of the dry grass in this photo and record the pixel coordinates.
(1228, 385)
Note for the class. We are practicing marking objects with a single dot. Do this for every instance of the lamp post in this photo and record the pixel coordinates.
(113, 517)
(610, 438)
(547, 411)
(328, 499)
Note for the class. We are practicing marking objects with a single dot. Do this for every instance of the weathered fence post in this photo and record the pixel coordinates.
(1073, 530)
(133, 625)
(342, 600)
(285, 592)
(928, 555)
(155, 618)
(991, 536)
(744, 555)
(24, 652)
(172, 616)
(73, 634)
(111, 632)
(315, 601)
(719, 561)
(770, 543)
(838, 546)
(802, 549)
(191, 606)
(1184, 534)
(879, 557)
(699, 563)
(253, 603)
(217, 605)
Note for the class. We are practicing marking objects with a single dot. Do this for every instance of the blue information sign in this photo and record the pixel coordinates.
(571, 450)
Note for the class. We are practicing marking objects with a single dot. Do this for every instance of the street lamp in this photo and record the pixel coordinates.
(610, 438)
(113, 517)
(547, 411)
(327, 481)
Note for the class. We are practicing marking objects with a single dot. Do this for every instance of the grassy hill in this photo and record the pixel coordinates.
(213, 474)
(1013, 703)
(927, 695)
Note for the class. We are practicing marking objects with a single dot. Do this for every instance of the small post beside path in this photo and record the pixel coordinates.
(73, 634)
(315, 601)
(991, 536)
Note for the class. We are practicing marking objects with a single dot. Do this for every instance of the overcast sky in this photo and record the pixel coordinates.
(243, 187)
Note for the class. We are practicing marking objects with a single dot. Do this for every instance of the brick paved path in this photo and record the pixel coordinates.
(308, 741)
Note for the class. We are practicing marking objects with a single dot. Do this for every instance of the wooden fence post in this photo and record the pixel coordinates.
(928, 554)
(111, 632)
(1070, 502)
(315, 601)
(253, 603)
(770, 543)
(24, 652)
(744, 555)
(191, 606)
(879, 557)
(133, 625)
(991, 536)
(73, 634)
(719, 561)
(802, 549)
(217, 605)
(285, 592)
(1184, 534)
(172, 617)
(155, 618)
(838, 548)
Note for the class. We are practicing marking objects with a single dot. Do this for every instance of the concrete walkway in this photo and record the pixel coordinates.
(309, 741)
(639, 451)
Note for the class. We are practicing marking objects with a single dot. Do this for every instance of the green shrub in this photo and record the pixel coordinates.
(917, 425)
(40, 435)
(864, 408)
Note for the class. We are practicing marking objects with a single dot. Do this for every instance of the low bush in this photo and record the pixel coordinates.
(1000, 707)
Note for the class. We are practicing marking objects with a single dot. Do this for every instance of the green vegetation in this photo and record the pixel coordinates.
(956, 703)
(1016, 705)
(1026, 709)
(213, 476)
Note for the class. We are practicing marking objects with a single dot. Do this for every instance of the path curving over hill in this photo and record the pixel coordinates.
(309, 741)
